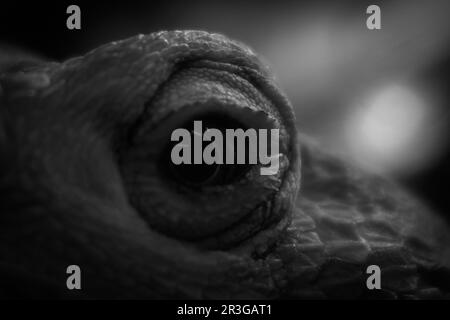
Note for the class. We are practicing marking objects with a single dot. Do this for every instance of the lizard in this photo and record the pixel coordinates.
(85, 180)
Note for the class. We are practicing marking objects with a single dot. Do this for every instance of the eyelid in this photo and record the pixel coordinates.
(248, 117)
(193, 87)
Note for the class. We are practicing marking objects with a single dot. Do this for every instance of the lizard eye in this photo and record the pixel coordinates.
(212, 205)
(208, 174)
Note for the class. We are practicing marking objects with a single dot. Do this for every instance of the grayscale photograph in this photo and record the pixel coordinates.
(225, 151)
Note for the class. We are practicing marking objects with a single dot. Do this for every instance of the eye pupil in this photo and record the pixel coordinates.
(198, 175)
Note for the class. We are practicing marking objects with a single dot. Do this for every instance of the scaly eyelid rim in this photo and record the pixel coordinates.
(174, 120)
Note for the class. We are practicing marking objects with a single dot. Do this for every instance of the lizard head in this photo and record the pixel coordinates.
(87, 179)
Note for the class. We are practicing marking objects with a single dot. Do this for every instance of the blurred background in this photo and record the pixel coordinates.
(379, 97)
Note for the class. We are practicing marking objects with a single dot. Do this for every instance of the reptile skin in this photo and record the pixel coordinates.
(81, 184)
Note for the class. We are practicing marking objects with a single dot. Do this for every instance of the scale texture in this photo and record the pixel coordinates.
(75, 188)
